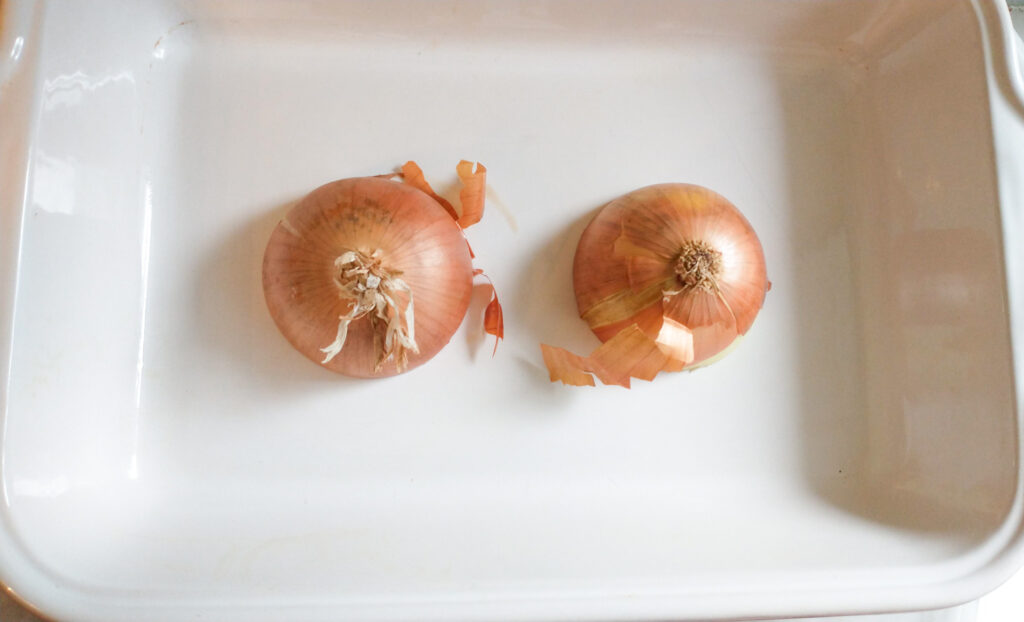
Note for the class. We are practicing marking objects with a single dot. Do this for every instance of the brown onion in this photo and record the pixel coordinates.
(369, 277)
(678, 264)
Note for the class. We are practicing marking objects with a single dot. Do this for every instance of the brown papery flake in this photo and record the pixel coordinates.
(412, 174)
(494, 317)
(566, 367)
(473, 194)
(629, 354)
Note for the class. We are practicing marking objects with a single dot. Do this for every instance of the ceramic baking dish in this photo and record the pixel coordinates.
(167, 456)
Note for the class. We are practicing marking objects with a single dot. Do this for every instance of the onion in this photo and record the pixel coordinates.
(370, 277)
(677, 270)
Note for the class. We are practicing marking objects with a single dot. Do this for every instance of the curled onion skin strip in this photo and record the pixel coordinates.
(494, 316)
(473, 193)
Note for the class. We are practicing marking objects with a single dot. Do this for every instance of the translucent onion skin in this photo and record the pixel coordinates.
(625, 268)
(418, 241)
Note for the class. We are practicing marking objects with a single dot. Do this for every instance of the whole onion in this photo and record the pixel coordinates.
(677, 269)
(370, 277)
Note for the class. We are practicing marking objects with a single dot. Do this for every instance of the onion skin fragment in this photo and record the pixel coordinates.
(631, 353)
(474, 192)
(412, 174)
(494, 316)
(566, 367)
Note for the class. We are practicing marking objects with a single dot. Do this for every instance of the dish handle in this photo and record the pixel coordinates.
(1005, 72)
(16, 20)
(1017, 41)
(1006, 31)
(1003, 29)
(19, 26)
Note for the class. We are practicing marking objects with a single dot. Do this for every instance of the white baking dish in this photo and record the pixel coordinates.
(167, 456)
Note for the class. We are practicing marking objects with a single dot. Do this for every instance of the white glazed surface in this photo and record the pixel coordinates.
(167, 455)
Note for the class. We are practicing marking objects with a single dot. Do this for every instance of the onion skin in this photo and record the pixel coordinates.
(417, 239)
(624, 271)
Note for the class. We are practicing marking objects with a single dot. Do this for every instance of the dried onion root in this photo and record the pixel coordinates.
(669, 277)
(370, 277)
